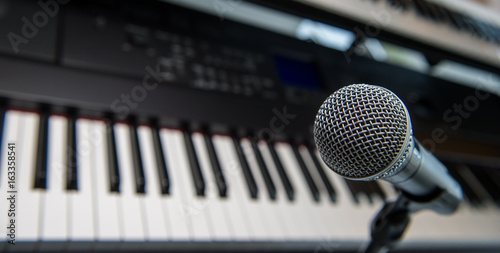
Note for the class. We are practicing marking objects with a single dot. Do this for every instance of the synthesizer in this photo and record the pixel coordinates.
(147, 126)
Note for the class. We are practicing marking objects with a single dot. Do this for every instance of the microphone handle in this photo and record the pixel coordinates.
(426, 181)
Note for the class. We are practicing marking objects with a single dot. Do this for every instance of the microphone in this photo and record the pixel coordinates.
(363, 132)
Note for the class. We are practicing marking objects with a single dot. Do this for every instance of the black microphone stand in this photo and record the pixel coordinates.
(388, 226)
(390, 223)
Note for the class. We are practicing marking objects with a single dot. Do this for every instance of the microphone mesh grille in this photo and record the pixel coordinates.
(360, 130)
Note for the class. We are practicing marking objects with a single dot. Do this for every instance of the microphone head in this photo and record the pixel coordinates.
(363, 132)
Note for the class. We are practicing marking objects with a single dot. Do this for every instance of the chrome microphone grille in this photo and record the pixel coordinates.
(363, 132)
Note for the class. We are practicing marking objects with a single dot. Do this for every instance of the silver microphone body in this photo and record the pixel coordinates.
(363, 132)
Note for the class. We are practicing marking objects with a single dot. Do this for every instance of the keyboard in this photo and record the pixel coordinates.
(189, 136)
(120, 185)
(464, 31)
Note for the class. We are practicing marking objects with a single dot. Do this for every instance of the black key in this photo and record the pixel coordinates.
(366, 189)
(354, 189)
(322, 174)
(281, 171)
(305, 172)
(214, 162)
(271, 188)
(378, 190)
(487, 182)
(199, 183)
(41, 151)
(457, 21)
(421, 8)
(470, 195)
(140, 180)
(71, 155)
(160, 161)
(252, 186)
(114, 174)
(399, 4)
(435, 13)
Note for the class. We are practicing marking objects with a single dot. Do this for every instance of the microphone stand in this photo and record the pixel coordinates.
(388, 226)
(390, 223)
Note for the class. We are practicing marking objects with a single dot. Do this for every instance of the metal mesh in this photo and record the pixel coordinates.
(362, 131)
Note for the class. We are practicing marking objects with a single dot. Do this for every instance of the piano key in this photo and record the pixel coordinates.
(214, 161)
(307, 206)
(2, 124)
(106, 208)
(474, 183)
(176, 218)
(193, 205)
(487, 182)
(161, 165)
(324, 207)
(136, 159)
(196, 175)
(328, 185)
(367, 190)
(41, 152)
(353, 189)
(218, 205)
(53, 225)
(28, 208)
(468, 192)
(265, 209)
(346, 208)
(9, 135)
(290, 218)
(268, 181)
(378, 190)
(389, 189)
(113, 171)
(242, 211)
(281, 171)
(80, 209)
(156, 223)
(72, 156)
(249, 179)
(129, 201)
(305, 172)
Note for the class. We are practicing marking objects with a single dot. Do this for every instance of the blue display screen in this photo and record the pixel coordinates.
(297, 73)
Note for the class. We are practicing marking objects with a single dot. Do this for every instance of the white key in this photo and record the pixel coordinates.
(263, 207)
(80, 212)
(54, 227)
(193, 206)
(130, 204)
(237, 195)
(308, 207)
(178, 221)
(28, 213)
(105, 202)
(10, 135)
(287, 209)
(348, 228)
(217, 207)
(390, 192)
(155, 215)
